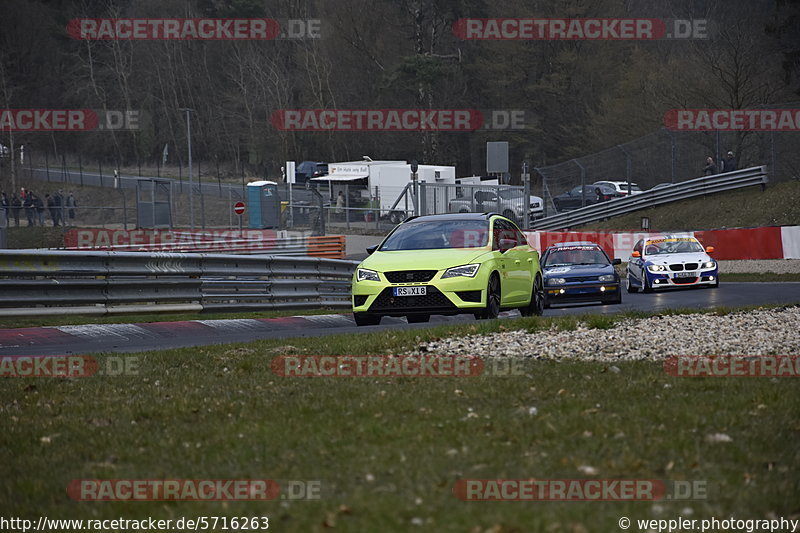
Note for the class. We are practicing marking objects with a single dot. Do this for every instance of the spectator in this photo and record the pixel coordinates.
(38, 205)
(58, 201)
(729, 163)
(340, 203)
(16, 205)
(710, 169)
(71, 205)
(28, 204)
(5, 205)
(51, 206)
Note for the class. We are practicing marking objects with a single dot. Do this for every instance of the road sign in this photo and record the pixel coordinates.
(239, 208)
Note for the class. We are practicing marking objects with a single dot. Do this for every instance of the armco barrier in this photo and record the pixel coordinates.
(771, 242)
(679, 191)
(45, 282)
(205, 241)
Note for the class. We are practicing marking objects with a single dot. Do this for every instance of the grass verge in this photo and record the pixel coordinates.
(388, 451)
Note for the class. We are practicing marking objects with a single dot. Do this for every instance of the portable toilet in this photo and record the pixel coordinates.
(264, 205)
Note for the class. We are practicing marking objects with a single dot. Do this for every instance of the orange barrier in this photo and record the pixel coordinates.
(330, 246)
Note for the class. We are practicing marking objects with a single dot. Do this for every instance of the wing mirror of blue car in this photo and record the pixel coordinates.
(371, 249)
(616, 262)
(506, 245)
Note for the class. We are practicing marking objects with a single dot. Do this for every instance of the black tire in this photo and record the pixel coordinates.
(416, 319)
(646, 288)
(396, 217)
(716, 284)
(492, 308)
(629, 286)
(365, 319)
(537, 303)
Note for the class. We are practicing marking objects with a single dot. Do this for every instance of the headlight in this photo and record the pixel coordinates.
(709, 264)
(556, 281)
(657, 268)
(367, 275)
(606, 277)
(467, 271)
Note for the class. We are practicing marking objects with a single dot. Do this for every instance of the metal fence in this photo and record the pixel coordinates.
(36, 282)
(662, 195)
(672, 157)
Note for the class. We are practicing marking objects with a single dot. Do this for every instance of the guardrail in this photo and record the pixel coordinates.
(679, 191)
(45, 282)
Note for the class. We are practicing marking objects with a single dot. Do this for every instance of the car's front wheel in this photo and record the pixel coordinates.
(537, 304)
(629, 286)
(492, 308)
(365, 319)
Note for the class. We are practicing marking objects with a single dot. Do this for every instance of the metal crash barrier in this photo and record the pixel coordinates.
(45, 282)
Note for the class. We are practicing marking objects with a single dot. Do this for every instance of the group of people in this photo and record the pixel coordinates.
(728, 165)
(58, 205)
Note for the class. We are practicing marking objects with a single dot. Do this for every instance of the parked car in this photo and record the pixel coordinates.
(573, 199)
(621, 187)
(579, 272)
(670, 261)
(448, 264)
(507, 201)
(661, 186)
(310, 169)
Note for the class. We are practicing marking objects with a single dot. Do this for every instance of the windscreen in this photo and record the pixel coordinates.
(439, 234)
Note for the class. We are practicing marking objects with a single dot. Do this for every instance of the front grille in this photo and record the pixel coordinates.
(410, 276)
(578, 279)
(470, 296)
(688, 266)
(691, 266)
(434, 299)
(676, 268)
(683, 281)
(359, 299)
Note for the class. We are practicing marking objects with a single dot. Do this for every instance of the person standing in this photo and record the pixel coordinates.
(27, 203)
(729, 163)
(38, 205)
(71, 205)
(710, 169)
(51, 206)
(5, 205)
(16, 205)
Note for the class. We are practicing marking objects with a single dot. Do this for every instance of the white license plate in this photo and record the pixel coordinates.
(686, 274)
(410, 291)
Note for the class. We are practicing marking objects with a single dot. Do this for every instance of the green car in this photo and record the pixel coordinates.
(447, 265)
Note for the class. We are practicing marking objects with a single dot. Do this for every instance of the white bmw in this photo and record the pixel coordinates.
(671, 261)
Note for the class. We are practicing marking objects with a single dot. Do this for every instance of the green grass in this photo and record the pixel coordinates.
(778, 205)
(388, 451)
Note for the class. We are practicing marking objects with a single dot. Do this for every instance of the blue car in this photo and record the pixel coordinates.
(579, 272)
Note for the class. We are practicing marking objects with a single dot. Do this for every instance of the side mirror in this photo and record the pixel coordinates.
(709, 249)
(617, 261)
(506, 245)
(371, 249)
(636, 254)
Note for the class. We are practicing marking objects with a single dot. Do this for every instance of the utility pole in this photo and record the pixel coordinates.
(189, 142)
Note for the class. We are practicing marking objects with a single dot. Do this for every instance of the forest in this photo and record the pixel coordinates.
(576, 96)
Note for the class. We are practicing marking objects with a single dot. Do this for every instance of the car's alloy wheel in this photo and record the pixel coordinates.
(537, 304)
(492, 308)
(416, 319)
(365, 319)
(629, 286)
